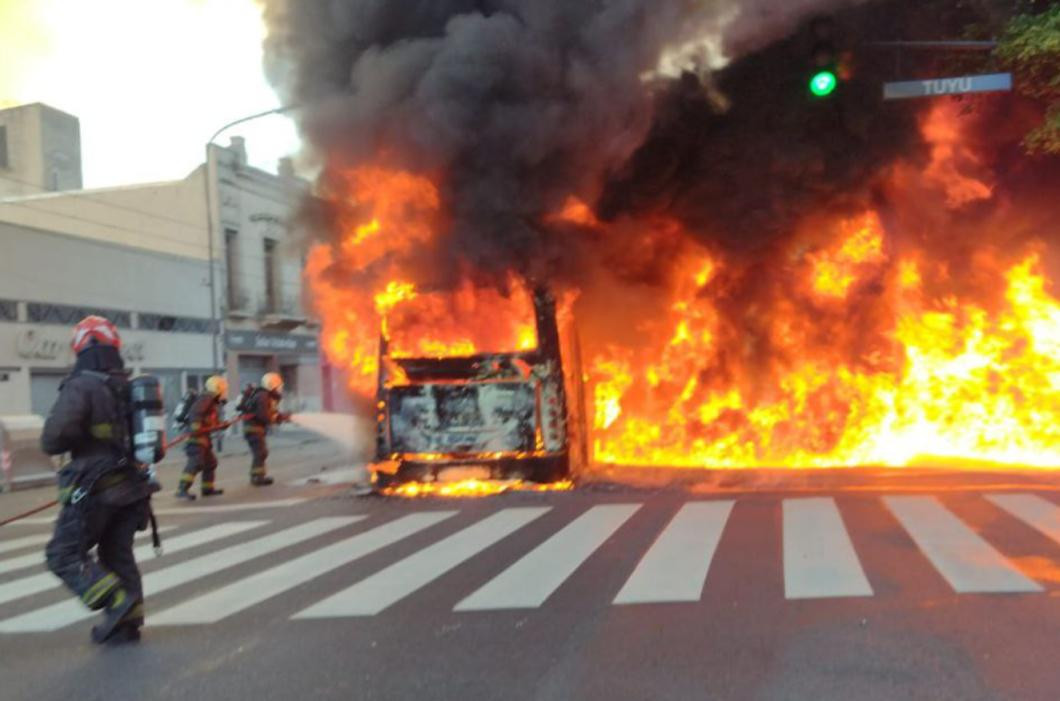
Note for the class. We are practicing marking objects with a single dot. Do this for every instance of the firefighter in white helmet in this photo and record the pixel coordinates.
(260, 408)
(203, 417)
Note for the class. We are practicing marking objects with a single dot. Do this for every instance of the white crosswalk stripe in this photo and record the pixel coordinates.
(531, 580)
(70, 611)
(1042, 515)
(819, 559)
(961, 555)
(44, 581)
(245, 593)
(37, 558)
(21, 562)
(675, 567)
(394, 583)
(25, 542)
(196, 509)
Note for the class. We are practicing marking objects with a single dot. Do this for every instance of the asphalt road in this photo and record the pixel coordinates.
(860, 587)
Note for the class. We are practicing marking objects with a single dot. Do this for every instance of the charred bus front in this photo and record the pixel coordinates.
(513, 415)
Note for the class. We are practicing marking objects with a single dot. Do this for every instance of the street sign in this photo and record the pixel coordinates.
(992, 82)
(270, 342)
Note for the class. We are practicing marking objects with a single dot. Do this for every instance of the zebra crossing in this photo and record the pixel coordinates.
(819, 559)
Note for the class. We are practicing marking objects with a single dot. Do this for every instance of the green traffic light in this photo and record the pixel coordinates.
(823, 83)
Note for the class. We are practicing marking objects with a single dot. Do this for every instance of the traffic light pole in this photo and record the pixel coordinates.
(957, 45)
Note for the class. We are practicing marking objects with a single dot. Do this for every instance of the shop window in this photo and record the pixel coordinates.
(289, 373)
(44, 390)
(178, 324)
(68, 315)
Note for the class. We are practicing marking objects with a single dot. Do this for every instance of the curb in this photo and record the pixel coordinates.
(33, 481)
(37, 480)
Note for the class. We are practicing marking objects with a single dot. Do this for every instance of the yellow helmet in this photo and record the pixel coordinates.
(272, 382)
(217, 386)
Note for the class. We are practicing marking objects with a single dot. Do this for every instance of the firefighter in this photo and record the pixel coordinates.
(204, 418)
(261, 411)
(104, 492)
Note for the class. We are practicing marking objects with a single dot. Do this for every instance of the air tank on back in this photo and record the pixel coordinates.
(148, 419)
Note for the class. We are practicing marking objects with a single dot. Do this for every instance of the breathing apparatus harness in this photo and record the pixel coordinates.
(144, 444)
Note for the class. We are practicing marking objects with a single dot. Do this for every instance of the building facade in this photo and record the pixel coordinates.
(40, 151)
(200, 274)
(265, 326)
(49, 281)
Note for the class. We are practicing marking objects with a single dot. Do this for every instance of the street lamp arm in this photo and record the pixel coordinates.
(283, 109)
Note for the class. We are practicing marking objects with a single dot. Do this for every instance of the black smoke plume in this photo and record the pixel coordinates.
(512, 106)
(515, 105)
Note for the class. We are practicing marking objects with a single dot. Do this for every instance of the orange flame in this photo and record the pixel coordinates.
(854, 352)
(951, 160)
(461, 322)
(360, 289)
(473, 488)
(954, 382)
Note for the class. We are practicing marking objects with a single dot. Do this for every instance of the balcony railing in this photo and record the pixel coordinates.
(239, 305)
(285, 315)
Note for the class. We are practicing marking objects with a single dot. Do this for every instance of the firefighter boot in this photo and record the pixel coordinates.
(125, 633)
(128, 631)
(261, 480)
(186, 480)
(114, 615)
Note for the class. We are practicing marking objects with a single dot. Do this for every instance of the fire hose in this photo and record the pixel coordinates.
(175, 442)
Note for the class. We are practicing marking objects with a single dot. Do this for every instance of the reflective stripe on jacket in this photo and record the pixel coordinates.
(204, 415)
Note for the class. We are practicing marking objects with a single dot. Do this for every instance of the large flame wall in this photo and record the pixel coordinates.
(865, 339)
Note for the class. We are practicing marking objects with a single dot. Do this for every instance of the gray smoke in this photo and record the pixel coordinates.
(513, 105)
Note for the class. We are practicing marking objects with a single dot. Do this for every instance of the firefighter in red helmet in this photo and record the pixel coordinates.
(103, 490)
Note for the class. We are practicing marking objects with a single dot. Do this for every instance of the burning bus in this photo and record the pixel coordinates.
(511, 413)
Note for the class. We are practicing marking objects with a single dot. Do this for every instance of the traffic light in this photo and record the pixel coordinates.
(823, 82)
(824, 76)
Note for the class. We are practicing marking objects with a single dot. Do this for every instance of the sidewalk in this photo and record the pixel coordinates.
(38, 475)
(234, 445)
(294, 456)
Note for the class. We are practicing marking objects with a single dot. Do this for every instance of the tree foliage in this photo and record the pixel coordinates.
(1030, 48)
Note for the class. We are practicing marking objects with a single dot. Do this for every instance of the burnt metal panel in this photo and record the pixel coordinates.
(505, 410)
(497, 417)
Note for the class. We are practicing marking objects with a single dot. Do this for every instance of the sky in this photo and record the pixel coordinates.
(150, 80)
